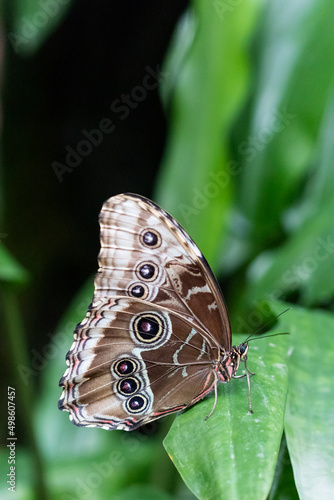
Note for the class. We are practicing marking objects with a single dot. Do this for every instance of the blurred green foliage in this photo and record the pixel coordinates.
(248, 171)
(33, 21)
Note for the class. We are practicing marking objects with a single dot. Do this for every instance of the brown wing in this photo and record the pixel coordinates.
(146, 254)
(132, 362)
(150, 340)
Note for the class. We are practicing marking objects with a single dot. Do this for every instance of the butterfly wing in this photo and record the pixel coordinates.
(145, 253)
(151, 337)
(132, 362)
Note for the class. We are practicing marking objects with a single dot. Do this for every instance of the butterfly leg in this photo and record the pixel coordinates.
(248, 383)
(216, 397)
(248, 370)
(249, 396)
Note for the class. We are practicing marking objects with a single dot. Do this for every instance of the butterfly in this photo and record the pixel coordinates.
(157, 337)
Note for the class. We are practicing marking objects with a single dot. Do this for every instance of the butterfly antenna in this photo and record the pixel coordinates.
(267, 336)
(266, 324)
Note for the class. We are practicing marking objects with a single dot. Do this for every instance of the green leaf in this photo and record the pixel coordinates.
(310, 405)
(141, 492)
(195, 183)
(305, 262)
(283, 487)
(177, 53)
(319, 187)
(293, 83)
(233, 454)
(10, 270)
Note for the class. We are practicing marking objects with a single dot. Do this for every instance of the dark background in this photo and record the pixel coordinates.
(100, 51)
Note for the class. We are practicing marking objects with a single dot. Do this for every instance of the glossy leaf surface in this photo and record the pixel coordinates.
(233, 454)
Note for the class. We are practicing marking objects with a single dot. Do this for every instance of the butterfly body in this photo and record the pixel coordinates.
(156, 338)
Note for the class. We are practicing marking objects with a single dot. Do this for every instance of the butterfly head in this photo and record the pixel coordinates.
(230, 361)
(239, 353)
(242, 350)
